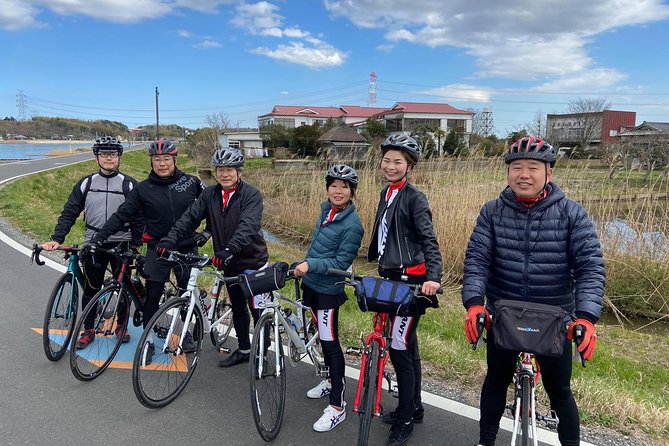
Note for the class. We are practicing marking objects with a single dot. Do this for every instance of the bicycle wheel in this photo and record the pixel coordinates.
(159, 381)
(525, 408)
(60, 317)
(268, 390)
(368, 397)
(223, 314)
(108, 309)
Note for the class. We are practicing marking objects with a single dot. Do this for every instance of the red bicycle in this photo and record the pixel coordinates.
(385, 298)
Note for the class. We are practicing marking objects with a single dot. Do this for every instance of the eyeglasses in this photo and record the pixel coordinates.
(108, 154)
(161, 159)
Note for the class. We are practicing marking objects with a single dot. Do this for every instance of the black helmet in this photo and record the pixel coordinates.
(228, 157)
(107, 144)
(404, 143)
(342, 172)
(162, 147)
(532, 148)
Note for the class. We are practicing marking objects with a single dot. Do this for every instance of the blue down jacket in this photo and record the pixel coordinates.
(547, 254)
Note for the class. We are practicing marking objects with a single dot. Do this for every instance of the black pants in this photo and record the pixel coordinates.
(94, 268)
(555, 376)
(328, 331)
(240, 316)
(158, 272)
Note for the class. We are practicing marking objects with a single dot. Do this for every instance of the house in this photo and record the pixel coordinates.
(410, 116)
(343, 143)
(652, 141)
(584, 129)
(291, 116)
(249, 142)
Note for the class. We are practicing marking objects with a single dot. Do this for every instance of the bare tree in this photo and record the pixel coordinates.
(202, 143)
(537, 127)
(591, 120)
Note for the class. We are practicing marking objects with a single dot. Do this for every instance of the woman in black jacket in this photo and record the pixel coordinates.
(406, 247)
(232, 209)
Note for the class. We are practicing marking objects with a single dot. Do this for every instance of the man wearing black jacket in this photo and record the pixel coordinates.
(160, 200)
(233, 210)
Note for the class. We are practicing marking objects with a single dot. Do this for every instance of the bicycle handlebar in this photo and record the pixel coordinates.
(355, 278)
(37, 249)
(480, 325)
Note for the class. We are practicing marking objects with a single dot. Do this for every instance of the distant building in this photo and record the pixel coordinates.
(343, 143)
(291, 116)
(249, 142)
(570, 130)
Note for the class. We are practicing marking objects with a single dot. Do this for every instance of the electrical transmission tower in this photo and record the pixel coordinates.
(21, 106)
(372, 90)
(487, 124)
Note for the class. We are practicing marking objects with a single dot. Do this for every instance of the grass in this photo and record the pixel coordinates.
(625, 387)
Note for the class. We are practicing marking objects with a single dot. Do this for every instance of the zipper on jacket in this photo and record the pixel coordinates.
(527, 253)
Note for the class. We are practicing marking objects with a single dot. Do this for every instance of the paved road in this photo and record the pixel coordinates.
(42, 403)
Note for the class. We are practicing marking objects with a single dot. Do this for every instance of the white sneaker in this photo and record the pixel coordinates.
(330, 419)
(321, 390)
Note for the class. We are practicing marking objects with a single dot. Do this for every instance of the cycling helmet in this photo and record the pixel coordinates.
(228, 157)
(532, 148)
(162, 147)
(342, 172)
(404, 143)
(107, 144)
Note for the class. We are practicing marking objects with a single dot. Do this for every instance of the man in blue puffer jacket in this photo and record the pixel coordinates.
(533, 244)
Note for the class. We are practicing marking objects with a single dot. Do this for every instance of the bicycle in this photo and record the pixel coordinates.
(267, 374)
(525, 379)
(63, 304)
(375, 355)
(109, 309)
(160, 379)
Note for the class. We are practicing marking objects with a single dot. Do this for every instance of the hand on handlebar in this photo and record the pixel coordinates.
(585, 341)
(474, 323)
(51, 245)
(301, 269)
(222, 259)
(430, 288)
(163, 249)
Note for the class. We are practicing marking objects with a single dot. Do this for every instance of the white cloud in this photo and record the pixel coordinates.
(385, 47)
(257, 17)
(517, 39)
(591, 80)
(184, 33)
(284, 93)
(17, 14)
(313, 57)
(207, 44)
(460, 92)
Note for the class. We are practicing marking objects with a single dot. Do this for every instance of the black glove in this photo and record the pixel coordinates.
(201, 238)
(222, 258)
(164, 247)
(92, 245)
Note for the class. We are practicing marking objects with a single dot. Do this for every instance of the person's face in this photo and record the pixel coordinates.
(227, 177)
(528, 177)
(394, 166)
(108, 161)
(339, 193)
(163, 165)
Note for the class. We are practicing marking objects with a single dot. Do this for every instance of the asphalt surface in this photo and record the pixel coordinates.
(42, 403)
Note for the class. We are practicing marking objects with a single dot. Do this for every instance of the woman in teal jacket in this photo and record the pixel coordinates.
(334, 244)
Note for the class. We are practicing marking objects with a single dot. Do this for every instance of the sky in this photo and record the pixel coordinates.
(103, 59)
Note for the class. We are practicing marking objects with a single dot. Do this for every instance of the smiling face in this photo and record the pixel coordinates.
(163, 165)
(226, 176)
(394, 166)
(339, 193)
(527, 177)
(108, 161)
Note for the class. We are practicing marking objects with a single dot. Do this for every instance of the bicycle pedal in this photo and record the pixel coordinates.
(354, 351)
(225, 350)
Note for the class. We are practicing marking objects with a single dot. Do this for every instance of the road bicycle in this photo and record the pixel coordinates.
(158, 378)
(374, 356)
(63, 304)
(267, 373)
(108, 313)
(523, 409)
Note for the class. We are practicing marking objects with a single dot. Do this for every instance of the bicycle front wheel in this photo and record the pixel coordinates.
(223, 316)
(107, 316)
(159, 377)
(369, 389)
(268, 386)
(525, 408)
(60, 317)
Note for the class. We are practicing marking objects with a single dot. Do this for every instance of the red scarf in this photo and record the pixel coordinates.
(331, 215)
(225, 194)
(529, 202)
(394, 187)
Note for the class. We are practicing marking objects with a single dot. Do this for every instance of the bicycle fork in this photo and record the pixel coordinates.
(364, 353)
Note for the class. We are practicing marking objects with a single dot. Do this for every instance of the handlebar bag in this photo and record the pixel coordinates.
(385, 296)
(264, 280)
(529, 327)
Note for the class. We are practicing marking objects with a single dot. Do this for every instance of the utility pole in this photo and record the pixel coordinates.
(157, 131)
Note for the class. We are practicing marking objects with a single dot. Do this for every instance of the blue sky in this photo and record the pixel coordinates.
(102, 59)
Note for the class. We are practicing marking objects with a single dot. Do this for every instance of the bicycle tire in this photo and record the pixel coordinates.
(60, 317)
(368, 397)
(525, 408)
(90, 362)
(159, 383)
(218, 337)
(268, 392)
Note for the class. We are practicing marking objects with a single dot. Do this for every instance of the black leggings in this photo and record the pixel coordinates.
(408, 371)
(240, 316)
(332, 353)
(154, 291)
(94, 268)
(555, 376)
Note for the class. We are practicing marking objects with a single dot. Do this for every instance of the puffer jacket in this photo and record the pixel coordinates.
(334, 245)
(548, 254)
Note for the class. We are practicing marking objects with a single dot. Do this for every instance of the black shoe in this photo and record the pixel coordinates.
(400, 434)
(235, 358)
(188, 344)
(392, 418)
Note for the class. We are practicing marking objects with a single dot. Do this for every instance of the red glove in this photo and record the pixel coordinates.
(589, 342)
(471, 330)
